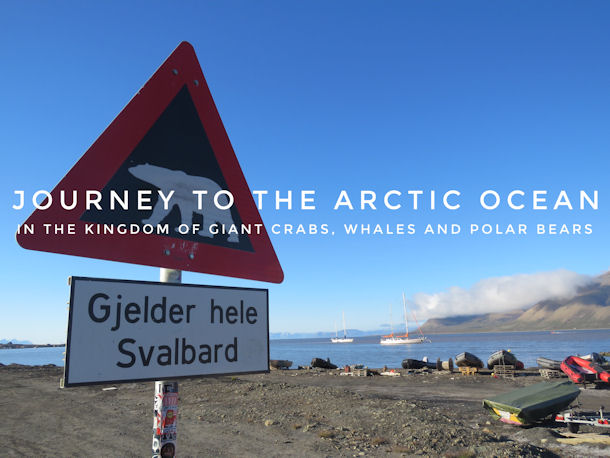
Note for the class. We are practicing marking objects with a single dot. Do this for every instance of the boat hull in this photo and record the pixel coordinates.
(468, 360)
(530, 404)
(546, 363)
(402, 340)
(580, 370)
(595, 357)
(342, 340)
(501, 357)
(417, 364)
(280, 364)
(322, 363)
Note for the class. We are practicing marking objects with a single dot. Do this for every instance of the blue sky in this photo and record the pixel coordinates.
(328, 96)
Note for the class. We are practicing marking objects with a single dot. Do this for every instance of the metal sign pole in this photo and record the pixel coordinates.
(165, 422)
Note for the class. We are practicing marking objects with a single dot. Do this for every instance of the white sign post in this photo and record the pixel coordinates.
(123, 331)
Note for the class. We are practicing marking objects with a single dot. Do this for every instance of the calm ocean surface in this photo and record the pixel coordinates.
(366, 350)
(526, 346)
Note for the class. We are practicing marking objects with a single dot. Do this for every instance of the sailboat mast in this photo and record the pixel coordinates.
(344, 330)
(404, 307)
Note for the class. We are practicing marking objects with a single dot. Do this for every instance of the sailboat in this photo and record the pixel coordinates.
(343, 339)
(391, 339)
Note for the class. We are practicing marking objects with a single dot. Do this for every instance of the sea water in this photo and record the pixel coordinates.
(33, 356)
(526, 346)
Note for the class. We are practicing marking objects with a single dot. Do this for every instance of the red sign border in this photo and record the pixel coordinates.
(101, 161)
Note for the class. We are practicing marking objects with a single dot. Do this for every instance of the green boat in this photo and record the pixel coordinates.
(532, 403)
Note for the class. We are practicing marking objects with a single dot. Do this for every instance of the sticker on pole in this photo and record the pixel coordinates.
(161, 186)
(123, 331)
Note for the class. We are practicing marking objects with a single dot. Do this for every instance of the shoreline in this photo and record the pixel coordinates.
(12, 346)
(305, 412)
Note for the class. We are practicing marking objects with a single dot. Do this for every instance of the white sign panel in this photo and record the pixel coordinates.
(121, 331)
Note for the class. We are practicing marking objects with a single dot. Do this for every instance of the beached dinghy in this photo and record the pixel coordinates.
(595, 357)
(530, 404)
(468, 360)
(413, 364)
(279, 364)
(417, 364)
(322, 363)
(501, 357)
(580, 370)
(547, 363)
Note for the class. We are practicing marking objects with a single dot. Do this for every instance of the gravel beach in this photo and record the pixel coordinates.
(304, 413)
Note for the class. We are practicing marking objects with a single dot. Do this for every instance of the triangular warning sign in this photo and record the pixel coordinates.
(161, 186)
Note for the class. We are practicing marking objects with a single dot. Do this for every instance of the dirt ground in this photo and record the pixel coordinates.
(301, 413)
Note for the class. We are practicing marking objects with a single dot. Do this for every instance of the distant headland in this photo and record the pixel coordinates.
(13, 345)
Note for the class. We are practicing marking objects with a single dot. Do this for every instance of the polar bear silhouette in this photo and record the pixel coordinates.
(168, 180)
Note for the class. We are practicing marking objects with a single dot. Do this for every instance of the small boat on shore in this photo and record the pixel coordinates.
(417, 364)
(412, 364)
(580, 370)
(439, 365)
(595, 357)
(322, 363)
(279, 364)
(530, 404)
(547, 363)
(466, 359)
(501, 357)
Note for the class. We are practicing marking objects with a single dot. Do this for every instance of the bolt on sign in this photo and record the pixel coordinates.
(121, 331)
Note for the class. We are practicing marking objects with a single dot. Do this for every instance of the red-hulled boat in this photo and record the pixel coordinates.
(580, 370)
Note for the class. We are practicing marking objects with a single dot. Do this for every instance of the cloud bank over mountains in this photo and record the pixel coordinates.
(498, 294)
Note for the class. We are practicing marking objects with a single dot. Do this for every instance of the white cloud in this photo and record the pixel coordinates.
(498, 294)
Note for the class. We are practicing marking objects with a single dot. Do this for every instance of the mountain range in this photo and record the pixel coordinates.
(589, 308)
